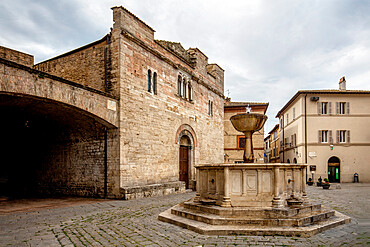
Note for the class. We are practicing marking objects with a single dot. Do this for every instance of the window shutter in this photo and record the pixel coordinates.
(337, 104)
(295, 139)
(338, 136)
(320, 136)
(330, 136)
(329, 106)
(292, 141)
(348, 136)
(319, 108)
(347, 104)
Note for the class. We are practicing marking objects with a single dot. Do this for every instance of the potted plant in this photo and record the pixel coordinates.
(326, 184)
(310, 182)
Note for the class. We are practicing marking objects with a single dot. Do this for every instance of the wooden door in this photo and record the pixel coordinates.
(184, 165)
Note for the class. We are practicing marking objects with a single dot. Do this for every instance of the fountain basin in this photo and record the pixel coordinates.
(248, 122)
(250, 185)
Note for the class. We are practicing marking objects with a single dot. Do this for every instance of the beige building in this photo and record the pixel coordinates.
(329, 130)
(168, 112)
(267, 150)
(235, 140)
(272, 145)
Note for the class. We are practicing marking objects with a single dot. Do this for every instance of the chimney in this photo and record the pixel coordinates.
(342, 83)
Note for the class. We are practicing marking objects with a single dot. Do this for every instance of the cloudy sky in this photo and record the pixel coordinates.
(269, 49)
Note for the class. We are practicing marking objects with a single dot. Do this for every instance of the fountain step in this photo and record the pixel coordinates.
(251, 220)
(303, 231)
(254, 212)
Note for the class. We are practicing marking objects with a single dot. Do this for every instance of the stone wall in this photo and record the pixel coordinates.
(149, 122)
(53, 139)
(16, 56)
(74, 164)
(86, 65)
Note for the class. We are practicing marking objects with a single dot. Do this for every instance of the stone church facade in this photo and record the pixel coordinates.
(170, 105)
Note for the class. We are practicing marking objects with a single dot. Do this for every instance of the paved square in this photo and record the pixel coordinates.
(134, 223)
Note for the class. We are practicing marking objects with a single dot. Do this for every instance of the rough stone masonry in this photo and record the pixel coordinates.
(160, 113)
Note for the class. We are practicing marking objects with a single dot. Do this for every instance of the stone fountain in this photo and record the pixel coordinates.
(248, 123)
(251, 198)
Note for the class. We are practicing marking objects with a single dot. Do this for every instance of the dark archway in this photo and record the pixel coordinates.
(294, 161)
(334, 169)
(288, 161)
(49, 148)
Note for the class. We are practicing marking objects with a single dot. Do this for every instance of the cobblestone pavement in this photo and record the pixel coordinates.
(134, 223)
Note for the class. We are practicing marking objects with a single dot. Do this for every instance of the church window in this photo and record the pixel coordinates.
(149, 81)
(179, 85)
(155, 82)
(190, 91)
(210, 108)
(184, 84)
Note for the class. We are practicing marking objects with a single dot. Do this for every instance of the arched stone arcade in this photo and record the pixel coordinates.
(50, 148)
(57, 137)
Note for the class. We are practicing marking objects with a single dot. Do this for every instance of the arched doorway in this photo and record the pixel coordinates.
(184, 159)
(288, 161)
(334, 170)
(187, 141)
(294, 161)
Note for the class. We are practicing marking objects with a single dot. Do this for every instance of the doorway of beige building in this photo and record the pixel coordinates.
(334, 170)
(184, 159)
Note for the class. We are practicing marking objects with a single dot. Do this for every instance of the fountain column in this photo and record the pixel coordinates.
(248, 156)
(303, 179)
(226, 201)
(276, 202)
(197, 186)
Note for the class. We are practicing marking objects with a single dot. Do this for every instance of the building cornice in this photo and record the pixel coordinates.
(328, 91)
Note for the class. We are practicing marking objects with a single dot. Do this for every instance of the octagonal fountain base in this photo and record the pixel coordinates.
(252, 199)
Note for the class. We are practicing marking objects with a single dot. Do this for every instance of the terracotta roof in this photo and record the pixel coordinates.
(230, 104)
(268, 136)
(275, 127)
(322, 91)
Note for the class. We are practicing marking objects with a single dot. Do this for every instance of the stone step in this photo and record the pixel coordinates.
(250, 220)
(254, 212)
(207, 229)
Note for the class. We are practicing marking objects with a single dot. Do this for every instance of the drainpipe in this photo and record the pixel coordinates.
(105, 163)
(305, 132)
(283, 141)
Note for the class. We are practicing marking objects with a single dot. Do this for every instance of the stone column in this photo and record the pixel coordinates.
(244, 182)
(303, 178)
(226, 202)
(276, 202)
(197, 184)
